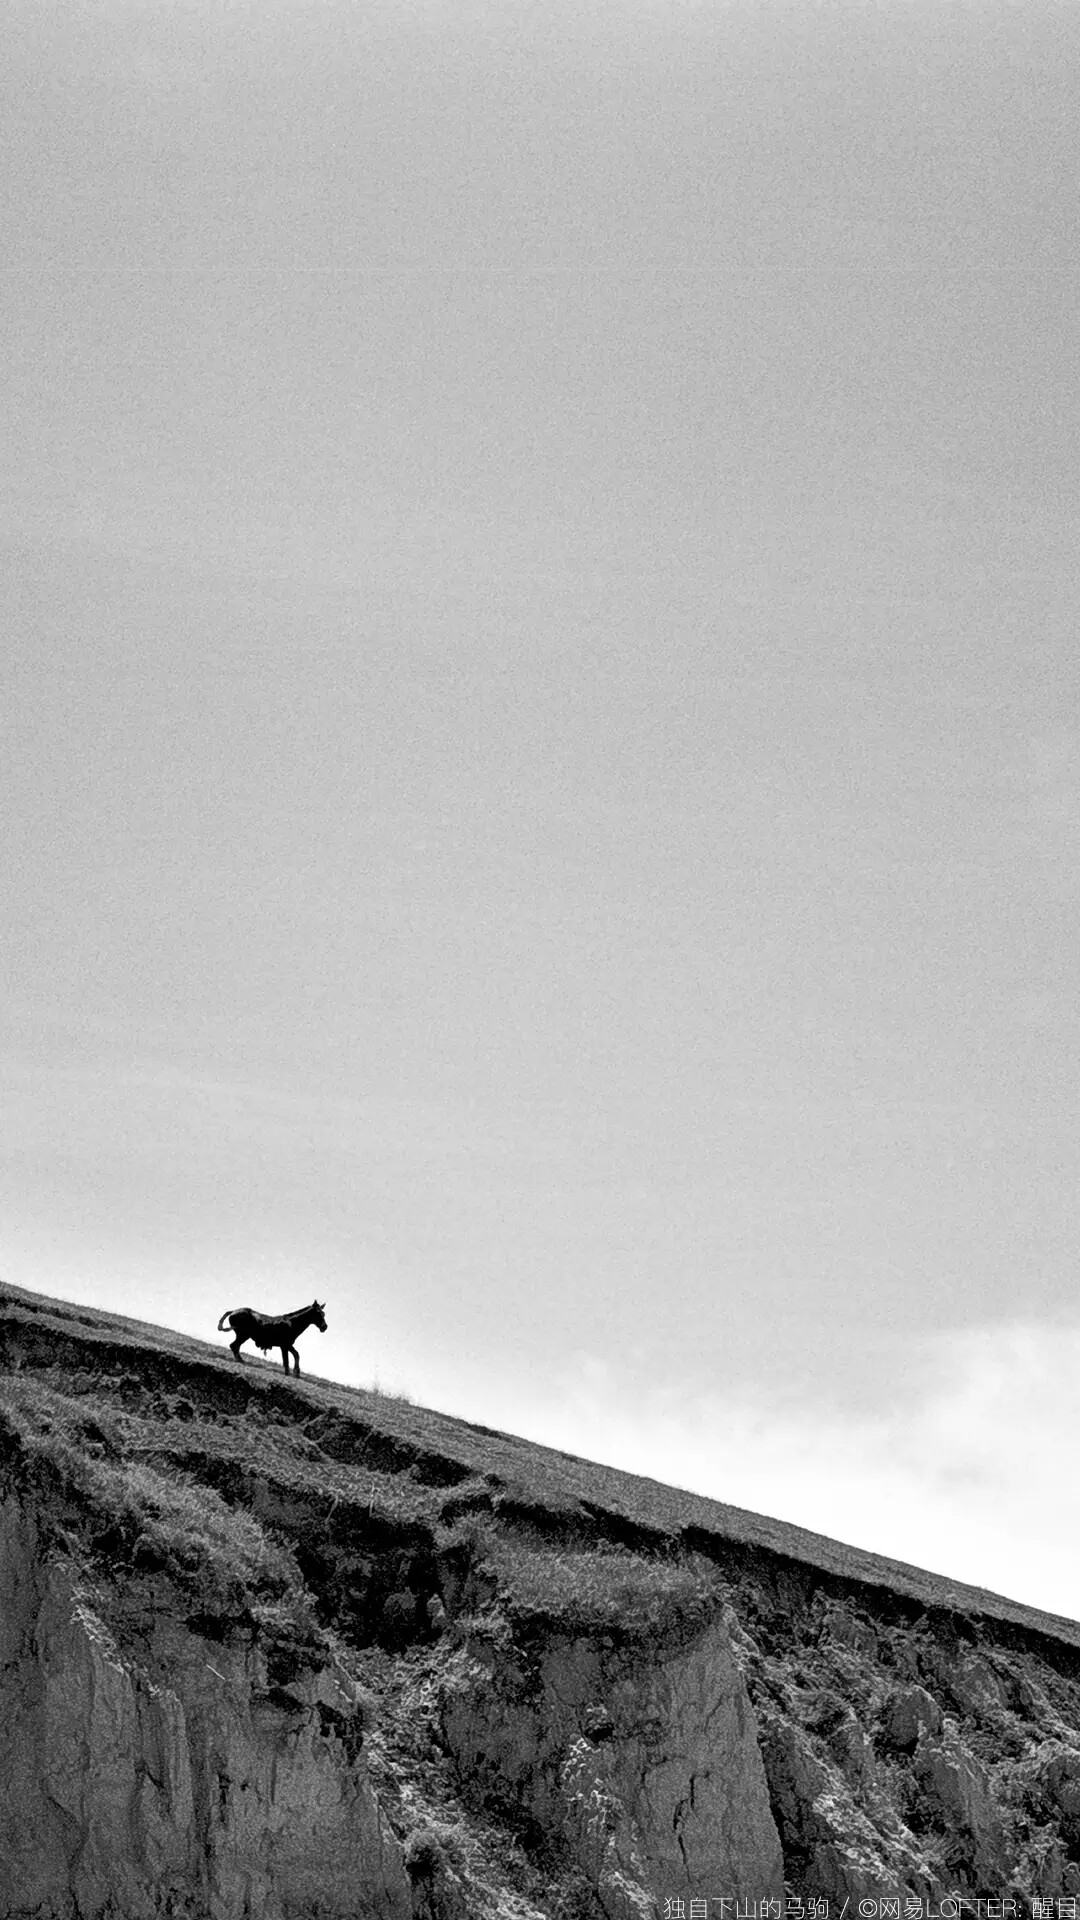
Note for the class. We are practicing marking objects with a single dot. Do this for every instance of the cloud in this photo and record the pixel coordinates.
(966, 1470)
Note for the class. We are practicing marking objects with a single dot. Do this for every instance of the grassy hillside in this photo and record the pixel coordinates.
(143, 1408)
(454, 1584)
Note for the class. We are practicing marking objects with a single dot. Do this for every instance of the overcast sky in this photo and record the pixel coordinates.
(541, 762)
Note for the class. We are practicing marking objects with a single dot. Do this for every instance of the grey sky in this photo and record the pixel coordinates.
(541, 759)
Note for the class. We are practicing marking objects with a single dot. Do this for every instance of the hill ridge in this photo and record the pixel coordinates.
(647, 1511)
(274, 1646)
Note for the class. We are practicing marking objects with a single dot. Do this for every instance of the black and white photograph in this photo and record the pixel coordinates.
(539, 1072)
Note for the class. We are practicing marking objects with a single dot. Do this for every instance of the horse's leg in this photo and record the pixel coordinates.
(235, 1346)
(285, 1356)
(296, 1357)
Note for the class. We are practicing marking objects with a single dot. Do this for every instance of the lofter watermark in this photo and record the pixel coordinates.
(889, 1906)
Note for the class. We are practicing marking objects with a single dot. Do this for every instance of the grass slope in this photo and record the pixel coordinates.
(330, 1452)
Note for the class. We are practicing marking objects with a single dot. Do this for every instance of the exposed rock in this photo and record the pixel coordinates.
(853, 1752)
(831, 1849)
(849, 1629)
(276, 1649)
(957, 1788)
(661, 1787)
(1054, 1791)
(210, 1795)
(976, 1688)
(908, 1714)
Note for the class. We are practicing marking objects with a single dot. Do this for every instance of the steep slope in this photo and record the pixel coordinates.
(276, 1648)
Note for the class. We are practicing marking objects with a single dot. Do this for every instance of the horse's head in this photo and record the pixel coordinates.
(319, 1319)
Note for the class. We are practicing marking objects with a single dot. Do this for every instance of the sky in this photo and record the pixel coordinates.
(540, 749)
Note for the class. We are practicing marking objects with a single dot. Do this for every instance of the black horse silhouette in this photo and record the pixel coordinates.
(266, 1331)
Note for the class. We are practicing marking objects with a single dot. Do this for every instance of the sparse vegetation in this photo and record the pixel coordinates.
(607, 1588)
(415, 1558)
(153, 1515)
(400, 1394)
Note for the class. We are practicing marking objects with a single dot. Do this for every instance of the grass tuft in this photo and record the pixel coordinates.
(607, 1589)
(154, 1516)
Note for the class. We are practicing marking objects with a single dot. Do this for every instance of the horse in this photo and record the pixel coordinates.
(267, 1332)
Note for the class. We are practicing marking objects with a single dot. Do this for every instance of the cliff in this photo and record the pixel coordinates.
(275, 1648)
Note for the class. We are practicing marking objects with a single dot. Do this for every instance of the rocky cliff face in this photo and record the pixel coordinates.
(180, 1781)
(274, 1649)
(646, 1768)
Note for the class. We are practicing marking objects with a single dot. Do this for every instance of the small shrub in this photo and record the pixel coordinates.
(423, 1854)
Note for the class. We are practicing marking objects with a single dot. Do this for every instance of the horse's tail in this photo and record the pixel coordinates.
(227, 1316)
